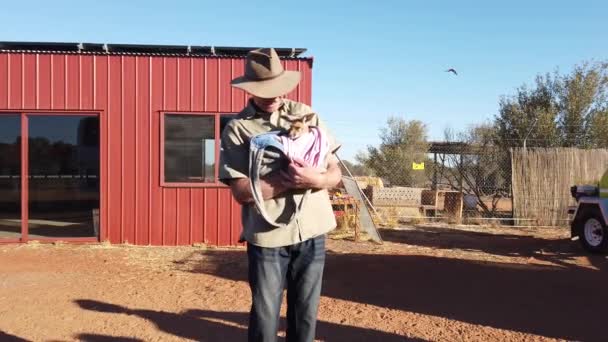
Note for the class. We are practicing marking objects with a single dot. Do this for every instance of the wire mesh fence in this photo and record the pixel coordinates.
(459, 183)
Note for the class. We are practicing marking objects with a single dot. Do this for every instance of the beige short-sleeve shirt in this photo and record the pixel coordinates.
(316, 216)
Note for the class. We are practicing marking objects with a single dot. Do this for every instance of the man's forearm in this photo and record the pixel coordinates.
(241, 188)
(274, 184)
(333, 176)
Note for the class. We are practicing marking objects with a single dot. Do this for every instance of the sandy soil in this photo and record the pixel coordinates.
(423, 284)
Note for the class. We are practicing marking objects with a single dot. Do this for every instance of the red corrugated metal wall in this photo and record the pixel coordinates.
(130, 92)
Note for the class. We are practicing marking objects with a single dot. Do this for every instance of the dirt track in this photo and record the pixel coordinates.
(423, 284)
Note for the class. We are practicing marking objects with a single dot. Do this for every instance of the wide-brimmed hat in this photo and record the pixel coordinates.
(264, 75)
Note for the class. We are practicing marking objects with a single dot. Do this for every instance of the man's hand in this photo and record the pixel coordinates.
(300, 175)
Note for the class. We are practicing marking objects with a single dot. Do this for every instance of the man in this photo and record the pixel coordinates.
(292, 256)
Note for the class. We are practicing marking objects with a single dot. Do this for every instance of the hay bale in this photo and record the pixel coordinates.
(392, 217)
(365, 181)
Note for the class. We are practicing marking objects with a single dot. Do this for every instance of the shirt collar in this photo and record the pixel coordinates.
(252, 110)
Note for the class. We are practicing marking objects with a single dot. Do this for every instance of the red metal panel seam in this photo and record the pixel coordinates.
(52, 82)
(24, 178)
(22, 80)
(190, 223)
(217, 119)
(95, 83)
(101, 148)
(101, 175)
(303, 85)
(108, 192)
(217, 84)
(102, 152)
(205, 86)
(80, 82)
(65, 81)
(217, 221)
(233, 109)
(122, 149)
(136, 136)
(244, 98)
(8, 80)
(80, 92)
(204, 215)
(190, 229)
(177, 214)
(177, 190)
(163, 166)
(231, 220)
(37, 80)
(217, 150)
(191, 83)
(150, 151)
(309, 85)
(230, 225)
(163, 217)
(231, 77)
(103, 207)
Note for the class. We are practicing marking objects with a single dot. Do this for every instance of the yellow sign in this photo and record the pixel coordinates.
(417, 166)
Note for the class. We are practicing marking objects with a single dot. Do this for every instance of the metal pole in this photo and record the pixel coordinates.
(435, 171)
(360, 191)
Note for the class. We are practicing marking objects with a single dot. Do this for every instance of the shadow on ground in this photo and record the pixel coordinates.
(6, 337)
(564, 301)
(557, 251)
(203, 325)
(105, 338)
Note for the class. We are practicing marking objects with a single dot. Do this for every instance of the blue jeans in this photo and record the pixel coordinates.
(298, 266)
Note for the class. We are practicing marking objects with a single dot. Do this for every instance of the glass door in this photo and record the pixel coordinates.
(10, 177)
(63, 182)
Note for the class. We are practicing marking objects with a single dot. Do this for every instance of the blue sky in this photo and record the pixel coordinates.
(373, 59)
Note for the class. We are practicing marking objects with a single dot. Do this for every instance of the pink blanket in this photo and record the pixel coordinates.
(311, 147)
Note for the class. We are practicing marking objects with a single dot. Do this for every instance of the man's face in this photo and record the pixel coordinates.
(268, 105)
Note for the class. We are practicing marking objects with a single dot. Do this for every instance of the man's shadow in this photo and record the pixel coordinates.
(105, 338)
(547, 300)
(203, 325)
(182, 325)
(6, 337)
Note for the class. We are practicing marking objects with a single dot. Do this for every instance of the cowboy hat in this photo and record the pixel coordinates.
(264, 75)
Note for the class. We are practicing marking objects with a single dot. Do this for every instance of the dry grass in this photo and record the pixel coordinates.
(346, 222)
(365, 181)
(391, 217)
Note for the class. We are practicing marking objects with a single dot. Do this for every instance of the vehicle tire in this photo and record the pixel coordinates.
(592, 230)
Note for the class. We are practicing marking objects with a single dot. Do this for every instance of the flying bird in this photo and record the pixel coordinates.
(453, 71)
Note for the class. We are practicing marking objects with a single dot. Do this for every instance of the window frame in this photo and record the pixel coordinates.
(216, 116)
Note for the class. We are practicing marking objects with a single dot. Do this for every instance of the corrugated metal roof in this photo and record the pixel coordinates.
(139, 49)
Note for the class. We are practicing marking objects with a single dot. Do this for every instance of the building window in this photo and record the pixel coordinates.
(190, 148)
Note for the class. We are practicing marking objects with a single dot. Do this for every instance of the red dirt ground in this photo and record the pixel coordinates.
(423, 284)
